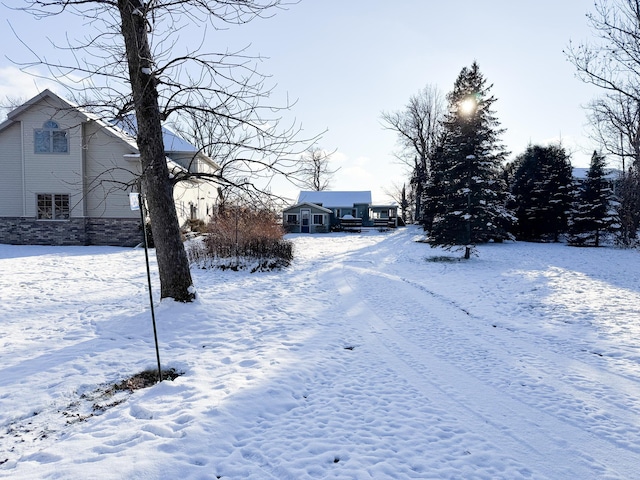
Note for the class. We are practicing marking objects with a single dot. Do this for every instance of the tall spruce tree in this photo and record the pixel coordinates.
(472, 196)
(542, 190)
(434, 200)
(628, 209)
(594, 215)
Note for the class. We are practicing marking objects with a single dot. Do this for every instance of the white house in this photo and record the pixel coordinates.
(67, 175)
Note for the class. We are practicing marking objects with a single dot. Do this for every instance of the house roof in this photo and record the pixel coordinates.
(124, 131)
(48, 95)
(172, 141)
(45, 94)
(582, 173)
(307, 204)
(330, 199)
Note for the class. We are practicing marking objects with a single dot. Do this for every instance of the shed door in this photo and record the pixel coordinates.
(305, 215)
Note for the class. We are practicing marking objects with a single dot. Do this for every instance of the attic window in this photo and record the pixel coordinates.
(51, 139)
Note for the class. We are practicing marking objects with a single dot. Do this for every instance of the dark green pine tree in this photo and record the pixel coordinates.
(542, 191)
(434, 203)
(472, 198)
(628, 208)
(595, 213)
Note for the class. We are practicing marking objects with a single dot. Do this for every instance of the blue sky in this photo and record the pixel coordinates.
(347, 61)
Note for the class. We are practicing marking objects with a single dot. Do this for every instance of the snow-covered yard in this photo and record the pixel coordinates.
(362, 360)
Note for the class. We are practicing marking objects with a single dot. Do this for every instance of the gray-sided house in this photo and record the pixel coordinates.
(324, 211)
(67, 176)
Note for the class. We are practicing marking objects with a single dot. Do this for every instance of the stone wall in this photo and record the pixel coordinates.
(124, 232)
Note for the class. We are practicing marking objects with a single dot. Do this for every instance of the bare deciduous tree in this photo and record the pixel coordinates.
(249, 157)
(612, 63)
(314, 172)
(417, 127)
(615, 122)
(399, 195)
(132, 61)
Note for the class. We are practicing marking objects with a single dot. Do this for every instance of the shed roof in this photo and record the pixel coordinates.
(329, 199)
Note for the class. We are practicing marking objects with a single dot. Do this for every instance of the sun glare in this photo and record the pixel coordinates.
(468, 106)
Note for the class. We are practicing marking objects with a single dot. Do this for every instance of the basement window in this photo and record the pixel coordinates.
(52, 206)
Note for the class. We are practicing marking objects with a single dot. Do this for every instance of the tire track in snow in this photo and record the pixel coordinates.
(573, 391)
(525, 424)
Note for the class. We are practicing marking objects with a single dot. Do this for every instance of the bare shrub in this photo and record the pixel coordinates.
(242, 237)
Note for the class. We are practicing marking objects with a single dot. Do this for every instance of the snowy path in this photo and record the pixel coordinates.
(361, 361)
(538, 402)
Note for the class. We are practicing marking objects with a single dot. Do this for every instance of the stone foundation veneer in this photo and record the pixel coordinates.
(122, 232)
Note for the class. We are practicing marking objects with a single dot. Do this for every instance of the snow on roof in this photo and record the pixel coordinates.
(330, 199)
(307, 204)
(175, 143)
(172, 141)
(581, 173)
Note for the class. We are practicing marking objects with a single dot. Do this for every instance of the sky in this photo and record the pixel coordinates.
(344, 63)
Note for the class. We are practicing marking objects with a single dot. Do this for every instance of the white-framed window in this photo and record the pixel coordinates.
(292, 218)
(50, 139)
(318, 219)
(52, 206)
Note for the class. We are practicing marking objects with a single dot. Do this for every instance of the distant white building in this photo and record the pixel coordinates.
(612, 175)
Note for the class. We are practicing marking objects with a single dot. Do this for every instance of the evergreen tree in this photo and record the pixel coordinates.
(628, 209)
(594, 215)
(404, 203)
(433, 203)
(470, 201)
(542, 190)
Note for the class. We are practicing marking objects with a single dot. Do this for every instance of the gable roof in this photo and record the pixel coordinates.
(45, 94)
(329, 199)
(48, 95)
(308, 204)
(123, 130)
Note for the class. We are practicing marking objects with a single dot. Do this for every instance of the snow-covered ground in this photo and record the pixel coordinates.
(362, 360)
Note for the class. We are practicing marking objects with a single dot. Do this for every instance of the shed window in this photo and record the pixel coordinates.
(51, 139)
(52, 206)
(318, 219)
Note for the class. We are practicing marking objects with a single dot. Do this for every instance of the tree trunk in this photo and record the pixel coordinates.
(173, 265)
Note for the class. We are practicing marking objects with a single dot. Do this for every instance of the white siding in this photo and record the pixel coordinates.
(107, 173)
(95, 172)
(53, 173)
(202, 195)
(11, 180)
(199, 194)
